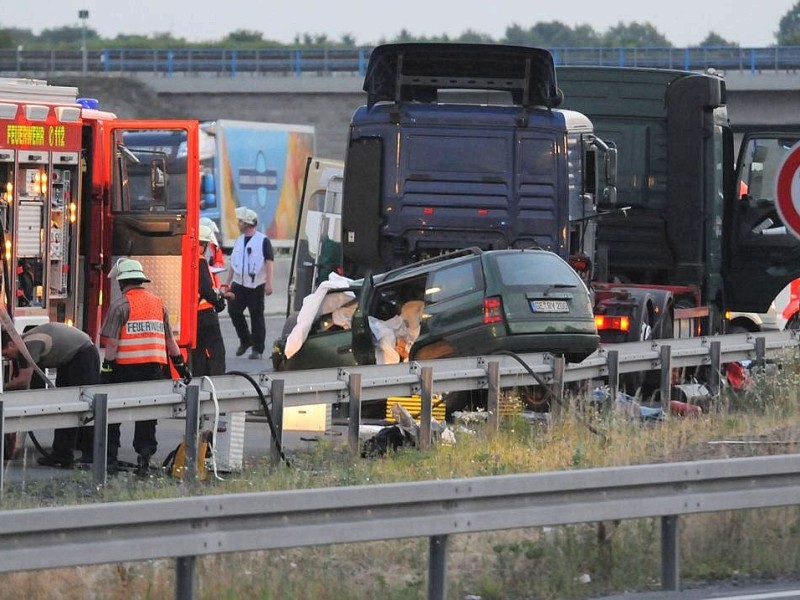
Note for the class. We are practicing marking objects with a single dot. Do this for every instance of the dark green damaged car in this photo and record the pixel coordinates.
(467, 303)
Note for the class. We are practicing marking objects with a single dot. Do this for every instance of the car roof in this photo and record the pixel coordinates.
(446, 260)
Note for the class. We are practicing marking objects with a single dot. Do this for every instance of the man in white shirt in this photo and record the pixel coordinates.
(250, 280)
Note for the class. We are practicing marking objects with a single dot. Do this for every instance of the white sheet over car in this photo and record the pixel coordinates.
(319, 302)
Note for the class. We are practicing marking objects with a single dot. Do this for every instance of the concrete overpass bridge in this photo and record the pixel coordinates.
(766, 99)
(755, 98)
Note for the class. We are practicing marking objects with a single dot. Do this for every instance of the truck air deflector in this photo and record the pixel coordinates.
(414, 72)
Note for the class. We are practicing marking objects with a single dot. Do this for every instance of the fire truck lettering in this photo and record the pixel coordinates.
(25, 135)
(145, 326)
(58, 136)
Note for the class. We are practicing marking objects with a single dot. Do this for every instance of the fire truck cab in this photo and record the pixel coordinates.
(78, 189)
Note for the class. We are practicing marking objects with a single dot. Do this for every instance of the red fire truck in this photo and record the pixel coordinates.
(80, 188)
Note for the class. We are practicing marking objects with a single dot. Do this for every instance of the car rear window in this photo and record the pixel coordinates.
(528, 268)
(453, 281)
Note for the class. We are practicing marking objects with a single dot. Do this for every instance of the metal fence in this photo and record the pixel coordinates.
(189, 527)
(103, 404)
(332, 61)
(185, 528)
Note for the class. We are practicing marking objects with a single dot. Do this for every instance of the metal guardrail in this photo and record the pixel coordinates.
(124, 402)
(330, 61)
(185, 528)
(71, 407)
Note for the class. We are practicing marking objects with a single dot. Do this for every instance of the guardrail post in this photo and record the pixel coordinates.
(761, 352)
(612, 362)
(100, 439)
(666, 377)
(190, 436)
(426, 406)
(557, 406)
(715, 378)
(437, 567)
(298, 63)
(277, 396)
(670, 554)
(493, 402)
(354, 414)
(185, 577)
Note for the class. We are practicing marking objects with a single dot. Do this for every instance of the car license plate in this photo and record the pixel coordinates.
(549, 306)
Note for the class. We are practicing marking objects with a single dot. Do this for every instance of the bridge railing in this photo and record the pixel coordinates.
(330, 61)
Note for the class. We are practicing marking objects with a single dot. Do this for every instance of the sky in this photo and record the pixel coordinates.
(682, 22)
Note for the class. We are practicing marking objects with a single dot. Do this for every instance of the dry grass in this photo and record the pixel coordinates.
(540, 563)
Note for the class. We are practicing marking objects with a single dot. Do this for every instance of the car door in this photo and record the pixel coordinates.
(363, 348)
(762, 257)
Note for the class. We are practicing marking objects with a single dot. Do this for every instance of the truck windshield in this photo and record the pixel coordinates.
(151, 171)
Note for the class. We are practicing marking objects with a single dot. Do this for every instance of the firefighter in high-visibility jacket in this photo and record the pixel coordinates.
(208, 357)
(137, 337)
(213, 252)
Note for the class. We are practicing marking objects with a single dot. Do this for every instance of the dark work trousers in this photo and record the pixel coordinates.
(144, 433)
(208, 358)
(253, 300)
(82, 369)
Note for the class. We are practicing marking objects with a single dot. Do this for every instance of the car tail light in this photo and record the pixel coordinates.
(616, 323)
(492, 310)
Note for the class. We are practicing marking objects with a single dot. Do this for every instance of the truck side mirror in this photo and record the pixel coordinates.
(611, 167)
(158, 183)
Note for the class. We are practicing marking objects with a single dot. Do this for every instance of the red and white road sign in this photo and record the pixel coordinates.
(787, 191)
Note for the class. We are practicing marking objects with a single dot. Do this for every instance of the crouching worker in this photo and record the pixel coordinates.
(137, 337)
(71, 352)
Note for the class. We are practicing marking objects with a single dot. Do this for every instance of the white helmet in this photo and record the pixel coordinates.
(128, 268)
(205, 234)
(246, 215)
(210, 224)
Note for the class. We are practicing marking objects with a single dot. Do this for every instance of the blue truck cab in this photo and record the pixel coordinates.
(458, 144)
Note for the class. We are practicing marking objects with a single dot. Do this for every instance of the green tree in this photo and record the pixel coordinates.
(156, 41)
(714, 39)
(515, 34)
(634, 35)
(6, 40)
(550, 34)
(586, 36)
(404, 37)
(18, 37)
(789, 27)
(474, 37)
(67, 36)
(243, 37)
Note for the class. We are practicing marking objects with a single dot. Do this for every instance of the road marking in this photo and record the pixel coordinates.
(764, 596)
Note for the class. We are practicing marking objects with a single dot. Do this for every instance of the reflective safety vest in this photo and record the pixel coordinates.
(203, 304)
(247, 261)
(142, 338)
